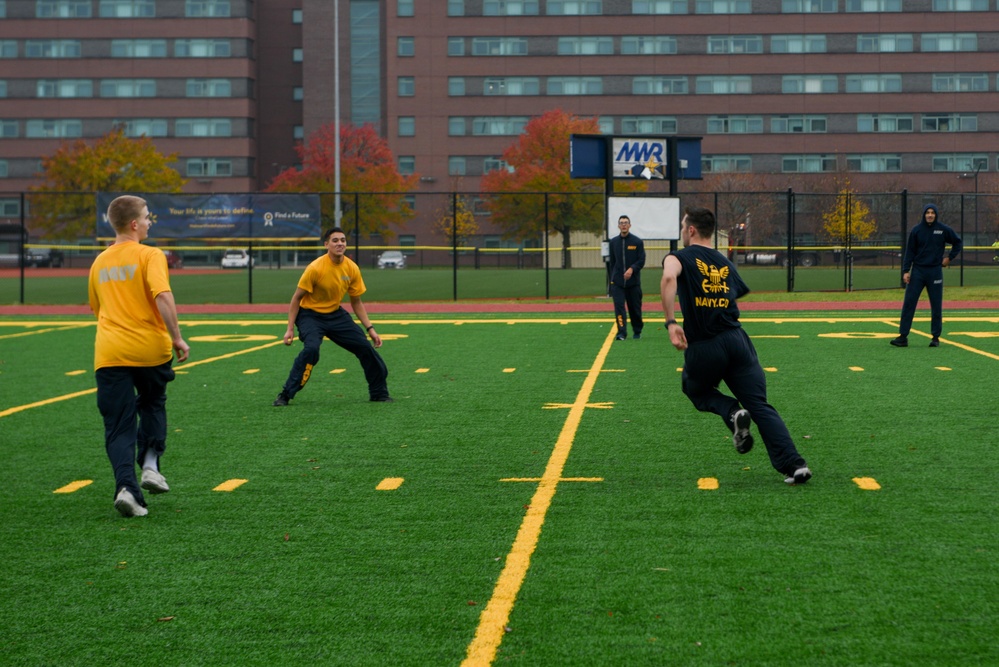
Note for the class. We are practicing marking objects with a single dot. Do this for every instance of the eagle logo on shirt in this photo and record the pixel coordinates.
(714, 278)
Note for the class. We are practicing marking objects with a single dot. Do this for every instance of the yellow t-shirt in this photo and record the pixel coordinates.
(327, 283)
(124, 282)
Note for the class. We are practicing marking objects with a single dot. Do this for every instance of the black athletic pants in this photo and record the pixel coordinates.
(930, 277)
(630, 296)
(731, 357)
(132, 401)
(340, 328)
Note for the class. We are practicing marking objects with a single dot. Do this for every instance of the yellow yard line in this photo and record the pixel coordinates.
(493, 622)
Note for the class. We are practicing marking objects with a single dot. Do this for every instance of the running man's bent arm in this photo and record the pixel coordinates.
(667, 291)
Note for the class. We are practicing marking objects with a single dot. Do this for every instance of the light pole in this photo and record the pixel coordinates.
(975, 176)
(336, 111)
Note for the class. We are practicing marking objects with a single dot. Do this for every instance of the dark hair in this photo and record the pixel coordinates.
(702, 219)
(329, 232)
(123, 210)
(623, 217)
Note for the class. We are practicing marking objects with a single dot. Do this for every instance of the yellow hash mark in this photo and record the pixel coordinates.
(74, 486)
(251, 371)
(867, 483)
(337, 371)
(509, 370)
(72, 373)
(770, 369)
(230, 485)
(390, 484)
(943, 368)
(422, 370)
(856, 368)
(707, 484)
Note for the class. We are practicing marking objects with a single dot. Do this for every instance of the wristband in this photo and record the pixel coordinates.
(370, 327)
(669, 322)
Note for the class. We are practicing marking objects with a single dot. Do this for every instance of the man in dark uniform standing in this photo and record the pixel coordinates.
(922, 266)
(627, 257)
(715, 346)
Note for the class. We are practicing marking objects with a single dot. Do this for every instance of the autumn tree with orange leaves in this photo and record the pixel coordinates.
(64, 206)
(540, 163)
(369, 179)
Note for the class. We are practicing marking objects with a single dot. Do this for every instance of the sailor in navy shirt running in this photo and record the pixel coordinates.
(715, 346)
(922, 266)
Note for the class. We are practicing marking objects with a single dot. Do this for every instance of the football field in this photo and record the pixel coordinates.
(537, 494)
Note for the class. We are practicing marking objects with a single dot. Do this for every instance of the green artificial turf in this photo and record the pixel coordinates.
(308, 563)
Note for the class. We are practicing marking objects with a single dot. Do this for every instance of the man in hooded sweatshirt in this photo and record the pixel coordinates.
(922, 267)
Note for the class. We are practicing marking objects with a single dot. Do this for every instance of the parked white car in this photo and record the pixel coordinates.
(392, 259)
(236, 258)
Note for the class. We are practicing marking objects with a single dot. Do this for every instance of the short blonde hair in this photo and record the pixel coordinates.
(124, 210)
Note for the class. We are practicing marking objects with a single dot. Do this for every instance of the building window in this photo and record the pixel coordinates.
(874, 83)
(575, 85)
(207, 8)
(884, 123)
(203, 127)
(456, 86)
(3, 9)
(809, 6)
(406, 86)
(3, 88)
(138, 48)
(456, 46)
(884, 43)
(3, 168)
(715, 164)
(874, 163)
(296, 55)
(658, 6)
(585, 46)
(723, 85)
(143, 127)
(52, 48)
(207, 167)
(298, 132)
(949, 123)
(128, 88)
(575, 7)
(961, 162)
(723, 6)
(639, 45)
(659, 85)
(298, 93)
(499, 46)
(407, 165)
(960, 5)
(813, 83)
(495, 164)
(202, 48)
(455, 7)
(648, 125)
(509, 8)
(47, 129)
(456, 165)
(514, 85)
(65, 88)
(873, 5)
(735, 125)
(9, 129)
(404, 8)
(296, 16)
(798, 44)
(796, 124)
(405, 47)
(735, 44)
(209, 88)
(63, 9)
(960, 83)
(8, 48)
(967, 41)
(407, 126)
(456, 126)
(808, 164)
(498, 126)
(127, 9)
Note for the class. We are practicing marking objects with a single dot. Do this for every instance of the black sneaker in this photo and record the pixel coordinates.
(935, 342)
(383, 399)
(800, 476)
(282, 399)
(621, 337)
(637, 336)
(901, 341)
(741, 437)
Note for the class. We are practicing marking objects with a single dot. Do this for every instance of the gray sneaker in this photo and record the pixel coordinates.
(741, 437)
(127, 505)
(800, 476)
(153, 481)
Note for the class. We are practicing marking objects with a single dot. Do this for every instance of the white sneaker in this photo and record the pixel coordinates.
(741, 437)
(127, 505)
(153, 481)
(800, 476)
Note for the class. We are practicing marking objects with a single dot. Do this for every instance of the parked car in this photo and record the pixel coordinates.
(174, 260)
(43, 257)
(392, 259)
(236, 258)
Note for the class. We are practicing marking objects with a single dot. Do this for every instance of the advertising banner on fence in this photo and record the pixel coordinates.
(255, 217)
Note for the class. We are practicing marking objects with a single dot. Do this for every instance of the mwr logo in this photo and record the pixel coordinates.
(639, 158)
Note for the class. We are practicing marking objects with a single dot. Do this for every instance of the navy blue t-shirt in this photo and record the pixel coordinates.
(708, 287)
